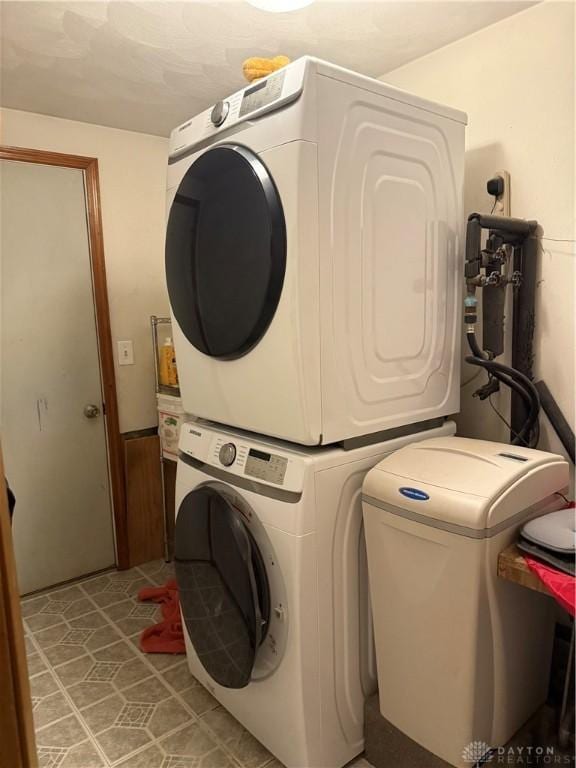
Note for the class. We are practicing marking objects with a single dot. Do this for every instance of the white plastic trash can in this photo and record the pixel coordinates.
(463, 656)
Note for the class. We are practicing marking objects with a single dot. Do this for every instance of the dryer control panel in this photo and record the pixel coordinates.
(263, 93)
(270, 93)
(239, 455)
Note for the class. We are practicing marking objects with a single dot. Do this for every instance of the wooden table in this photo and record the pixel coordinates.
(512, 567)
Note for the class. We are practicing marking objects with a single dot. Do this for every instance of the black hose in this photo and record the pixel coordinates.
(518, 388)
(475, 347)
(556, 418)
(523, 394)
(524, 382)
(519, 383)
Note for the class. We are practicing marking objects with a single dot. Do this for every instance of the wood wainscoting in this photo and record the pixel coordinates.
(145, 525)
(144, 487)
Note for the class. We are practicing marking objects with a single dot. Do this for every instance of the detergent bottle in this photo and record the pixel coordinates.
(173, 370)
(167, 364)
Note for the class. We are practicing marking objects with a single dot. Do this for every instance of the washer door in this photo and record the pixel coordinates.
(223, 586)
(225, 251)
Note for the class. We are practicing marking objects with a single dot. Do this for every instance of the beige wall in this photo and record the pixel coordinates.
(132, 185)
(515, 80)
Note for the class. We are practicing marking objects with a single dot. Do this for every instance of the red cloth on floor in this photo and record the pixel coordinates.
(561, 585)
(166, 636)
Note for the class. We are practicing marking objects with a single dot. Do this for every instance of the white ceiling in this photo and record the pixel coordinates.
(149, 66)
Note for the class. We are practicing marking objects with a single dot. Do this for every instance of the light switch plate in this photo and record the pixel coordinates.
(125, 353)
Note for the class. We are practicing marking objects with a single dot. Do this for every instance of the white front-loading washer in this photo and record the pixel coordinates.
(271, 570)
(314, 256)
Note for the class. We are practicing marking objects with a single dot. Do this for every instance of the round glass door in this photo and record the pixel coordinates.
(225, 251)
(223, 586)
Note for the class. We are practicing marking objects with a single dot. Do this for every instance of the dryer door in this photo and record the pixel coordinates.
(223, 586)
(225, 251)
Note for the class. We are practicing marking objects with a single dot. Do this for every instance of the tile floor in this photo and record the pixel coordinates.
(98, 701)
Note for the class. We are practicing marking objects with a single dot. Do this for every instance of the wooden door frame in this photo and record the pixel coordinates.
(17, 744)
(89, 165)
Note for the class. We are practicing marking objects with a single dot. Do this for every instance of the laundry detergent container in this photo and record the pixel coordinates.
(463, 656)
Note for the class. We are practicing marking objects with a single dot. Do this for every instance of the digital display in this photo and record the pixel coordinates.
(266, 466)
(261, 94)
(513, 456)
(259, 455)
(257, 87)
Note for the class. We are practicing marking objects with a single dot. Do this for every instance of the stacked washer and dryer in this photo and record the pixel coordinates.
(314, 265)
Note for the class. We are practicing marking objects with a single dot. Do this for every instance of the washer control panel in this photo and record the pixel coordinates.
(266, 466)
(236, 454)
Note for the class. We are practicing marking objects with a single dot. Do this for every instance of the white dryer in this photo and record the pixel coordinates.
(314, 256)
(271, 570)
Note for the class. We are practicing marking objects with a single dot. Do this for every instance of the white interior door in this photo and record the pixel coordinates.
(53, 430)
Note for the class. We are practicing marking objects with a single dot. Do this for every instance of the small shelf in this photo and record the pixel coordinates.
(164, 389)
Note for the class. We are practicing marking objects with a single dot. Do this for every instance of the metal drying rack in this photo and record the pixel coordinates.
(162, 389)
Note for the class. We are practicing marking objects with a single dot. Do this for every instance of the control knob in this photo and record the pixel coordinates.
(220, 112)
(227, 454)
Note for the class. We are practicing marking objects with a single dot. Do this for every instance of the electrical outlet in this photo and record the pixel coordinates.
(125, 353)
(502, 207)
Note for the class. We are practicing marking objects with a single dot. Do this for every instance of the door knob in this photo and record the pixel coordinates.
(91, 411)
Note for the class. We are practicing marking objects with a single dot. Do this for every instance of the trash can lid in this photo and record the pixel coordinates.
(474, 484)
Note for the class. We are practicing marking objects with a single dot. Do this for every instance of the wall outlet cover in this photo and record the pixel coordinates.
(502, 207)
